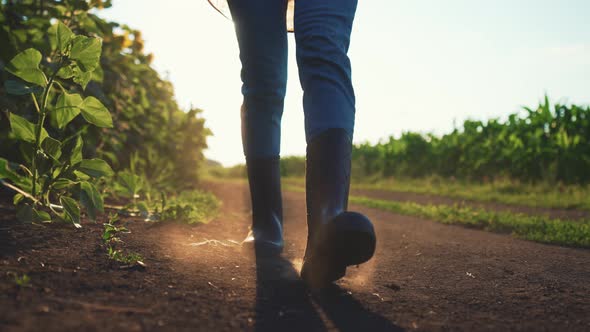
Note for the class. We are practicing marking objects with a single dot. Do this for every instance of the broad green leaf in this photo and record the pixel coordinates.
(25, 65)
(6, 172)
(91, 199)
(67, 108)
(88, 24)
(60, 37)
(98, 74)
(66, 72)
(129, 182)
(44, 134)
(20, 88)
(41, 216)
(22, 128)
(71, 210)
(72, 150)
(110, 157)
(76, 154)
(51, 147)
(17, 199)
(44, 164)
(25, 130)
(36, 38)
(19, 35)
(61, 10)
(62, 183)
(36, 22)
(96, 113)
(82, 176)
(24, 213)
(143, 209)
(95, 168)
(26, 151)
(86, 51)
(81, 77)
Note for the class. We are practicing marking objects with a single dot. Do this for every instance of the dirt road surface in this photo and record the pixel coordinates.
(425, 276)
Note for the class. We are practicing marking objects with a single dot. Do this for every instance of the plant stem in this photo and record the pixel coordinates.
(34, 156)
(40, 123)
(36, 103)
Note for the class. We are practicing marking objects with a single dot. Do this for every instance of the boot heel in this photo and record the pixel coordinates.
(353, 238)
(355, 248)
(348, 239)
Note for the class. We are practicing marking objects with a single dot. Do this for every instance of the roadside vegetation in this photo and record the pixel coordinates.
(573, 233)
(510, 192)
(547, 143)
(534, 228)
(504, 191)
(86, 124)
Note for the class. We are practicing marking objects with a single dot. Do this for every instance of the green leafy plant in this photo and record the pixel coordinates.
(55, 170)
(147, 121)
(160, 203)
(190, 207)
(111, 230)
(22, 281)
(119, 256)
(110, 237)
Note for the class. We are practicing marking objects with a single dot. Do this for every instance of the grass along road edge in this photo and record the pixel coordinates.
(533, 228)
(543, 195)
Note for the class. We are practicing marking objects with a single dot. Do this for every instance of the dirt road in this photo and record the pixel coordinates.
(425, 276)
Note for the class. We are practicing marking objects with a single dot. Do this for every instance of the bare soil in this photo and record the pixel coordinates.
(425, 276)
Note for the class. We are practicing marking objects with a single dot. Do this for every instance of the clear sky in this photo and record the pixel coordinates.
(418, 65)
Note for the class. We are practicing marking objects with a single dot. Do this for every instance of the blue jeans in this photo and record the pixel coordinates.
(322, 36)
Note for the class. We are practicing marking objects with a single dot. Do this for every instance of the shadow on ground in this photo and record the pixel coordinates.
(283, 303)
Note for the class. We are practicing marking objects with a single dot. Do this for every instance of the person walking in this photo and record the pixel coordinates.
(337, 238)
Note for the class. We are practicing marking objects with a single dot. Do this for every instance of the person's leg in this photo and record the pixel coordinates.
(262, 38)
(322, 33)
(336, 238)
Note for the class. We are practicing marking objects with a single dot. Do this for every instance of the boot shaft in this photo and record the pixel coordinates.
(328, 166)
(264, 178)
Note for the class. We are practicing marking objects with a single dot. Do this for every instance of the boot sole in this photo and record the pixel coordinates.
(348, 240)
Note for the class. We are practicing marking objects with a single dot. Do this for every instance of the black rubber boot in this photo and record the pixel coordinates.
(336, 238)
(266, 234)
